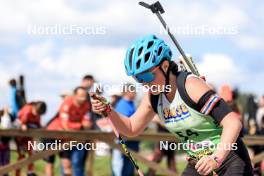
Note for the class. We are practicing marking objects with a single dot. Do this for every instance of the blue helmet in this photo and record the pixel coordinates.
(145, 54)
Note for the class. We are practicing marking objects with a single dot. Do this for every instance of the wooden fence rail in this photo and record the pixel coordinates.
(92, 135)
(98, 135)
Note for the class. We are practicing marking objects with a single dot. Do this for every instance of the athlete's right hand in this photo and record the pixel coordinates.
(99, 104)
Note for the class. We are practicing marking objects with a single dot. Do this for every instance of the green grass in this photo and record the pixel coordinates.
(102, 166)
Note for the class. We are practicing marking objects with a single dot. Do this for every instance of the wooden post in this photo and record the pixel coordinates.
(90, 163)
(258, 158)
(150, 164)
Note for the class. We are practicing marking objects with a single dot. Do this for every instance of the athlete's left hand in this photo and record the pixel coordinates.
(205, 165)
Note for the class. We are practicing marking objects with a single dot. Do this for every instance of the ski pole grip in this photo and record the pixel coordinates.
(104, 113)
(144, 4)
(155, 7)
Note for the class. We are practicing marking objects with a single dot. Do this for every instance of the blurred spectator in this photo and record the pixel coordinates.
(17, 96)
(29, 117)
(5, 119)
(115, 96)
(5, 123)
(21, 95)
(256, 148)
(262, 147)
(121, 165)
(73, 115)
(252, 107)
(114, 99)
(87, 82)
(260, 113)
(254, 129)
(262, 127)
(13, 98)
(230, 96)
(51, 159)
(226, 93)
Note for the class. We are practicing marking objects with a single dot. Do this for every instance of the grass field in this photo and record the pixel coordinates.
(102, 166)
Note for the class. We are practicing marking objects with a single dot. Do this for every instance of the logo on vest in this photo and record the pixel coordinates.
(176, 114)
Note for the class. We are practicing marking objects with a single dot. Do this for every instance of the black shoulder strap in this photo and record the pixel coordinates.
(154, 102)
(181, 79)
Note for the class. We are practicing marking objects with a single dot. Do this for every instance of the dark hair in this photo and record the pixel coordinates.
(12, 82)
(78, 88)
(88, 77)
(41, 107)
(173, 67)
(1, 113)
(117, 98)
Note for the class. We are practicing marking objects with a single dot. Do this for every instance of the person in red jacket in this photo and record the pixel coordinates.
(29, 117)
(73, 115)
(73, 112)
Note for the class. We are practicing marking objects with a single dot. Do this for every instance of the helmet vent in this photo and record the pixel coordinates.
(159, 51)
(146, 58)
(140, 50)
(138, 64)
(154, 59)
(130, 57)
(150, 44)
(170, 53)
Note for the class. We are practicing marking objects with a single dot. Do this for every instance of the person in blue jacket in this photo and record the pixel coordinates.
(121, 165)
(13, 98)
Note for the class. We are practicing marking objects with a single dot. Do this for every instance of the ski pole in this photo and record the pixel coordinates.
(119, 137)
(158, 10)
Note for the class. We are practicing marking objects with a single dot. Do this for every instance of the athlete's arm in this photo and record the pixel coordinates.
(134, 125)
(156, 119)
(196, 88)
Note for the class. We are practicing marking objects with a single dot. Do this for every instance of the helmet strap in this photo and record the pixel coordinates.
(167, 78)
(173, 68)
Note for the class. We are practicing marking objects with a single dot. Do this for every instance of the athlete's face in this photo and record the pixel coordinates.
(80, 96)
(158, 84)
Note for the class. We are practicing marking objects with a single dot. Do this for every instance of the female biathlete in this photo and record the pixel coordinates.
(189, 109)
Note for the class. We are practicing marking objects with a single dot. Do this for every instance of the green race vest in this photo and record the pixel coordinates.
(198, 132)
